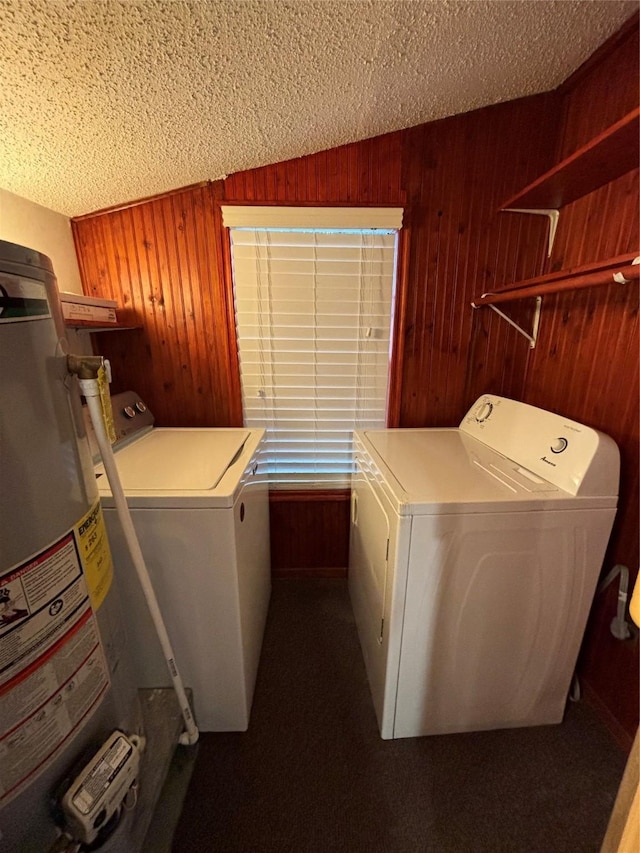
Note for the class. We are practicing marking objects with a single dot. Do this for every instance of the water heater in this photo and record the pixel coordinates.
(65, 683)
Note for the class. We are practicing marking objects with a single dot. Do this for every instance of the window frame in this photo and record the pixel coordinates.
(398, 318)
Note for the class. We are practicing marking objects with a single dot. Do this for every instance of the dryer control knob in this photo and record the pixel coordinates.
(129, 412)
(140, 406)
(559, 445)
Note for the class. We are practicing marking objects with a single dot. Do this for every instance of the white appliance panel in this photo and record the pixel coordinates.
(253, 567)
(495, 611)
(192, 569)
(210, 571)
(378, 557)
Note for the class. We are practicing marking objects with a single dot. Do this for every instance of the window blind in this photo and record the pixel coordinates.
(313, 315)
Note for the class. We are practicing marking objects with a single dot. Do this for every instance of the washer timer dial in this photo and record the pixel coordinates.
(483, 412)
(559, 444)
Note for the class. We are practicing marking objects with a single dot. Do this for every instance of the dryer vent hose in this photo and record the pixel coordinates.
(91, 390)
(619, 627)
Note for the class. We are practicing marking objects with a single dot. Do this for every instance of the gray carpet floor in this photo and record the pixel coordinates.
(312, 774)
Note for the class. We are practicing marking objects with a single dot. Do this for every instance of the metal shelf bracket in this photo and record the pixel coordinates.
(533, 337)
(554, 216)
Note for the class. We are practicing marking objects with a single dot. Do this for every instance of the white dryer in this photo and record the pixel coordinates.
(199, 504)
(474, 556)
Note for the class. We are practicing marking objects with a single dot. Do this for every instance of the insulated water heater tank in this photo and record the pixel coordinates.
(65, 684)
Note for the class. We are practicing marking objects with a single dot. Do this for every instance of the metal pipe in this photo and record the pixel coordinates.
(85, 366)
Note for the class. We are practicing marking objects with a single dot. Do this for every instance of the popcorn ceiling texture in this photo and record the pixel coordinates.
(103, 102)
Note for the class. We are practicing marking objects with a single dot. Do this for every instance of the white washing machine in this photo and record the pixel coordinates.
(474, 556)
(200, 507)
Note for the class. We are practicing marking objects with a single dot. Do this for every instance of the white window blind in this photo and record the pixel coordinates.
(313, 315)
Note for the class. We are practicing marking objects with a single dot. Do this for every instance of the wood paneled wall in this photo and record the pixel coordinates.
(366, 173)
(162, 260)
(167, 260)
(293, 516)
(456, 173)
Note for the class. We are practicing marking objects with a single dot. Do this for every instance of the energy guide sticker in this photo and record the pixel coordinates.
(94, 549)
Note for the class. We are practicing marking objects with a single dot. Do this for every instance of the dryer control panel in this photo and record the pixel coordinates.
(572, 456)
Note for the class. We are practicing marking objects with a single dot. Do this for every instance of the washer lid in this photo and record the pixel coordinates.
(178, 460)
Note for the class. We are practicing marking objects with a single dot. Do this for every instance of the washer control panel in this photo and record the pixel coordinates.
(130, 414)
(481, 413)
(561, 451)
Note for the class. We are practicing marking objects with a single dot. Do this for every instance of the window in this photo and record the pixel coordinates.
(314, 294)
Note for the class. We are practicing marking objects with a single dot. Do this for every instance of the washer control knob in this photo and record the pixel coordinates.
(483, 411)
(140, 407)
(558, 445)
(129, 412)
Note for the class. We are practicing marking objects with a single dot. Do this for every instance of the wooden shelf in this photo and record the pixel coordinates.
(98, 326)
(125, 320)
(606, 157)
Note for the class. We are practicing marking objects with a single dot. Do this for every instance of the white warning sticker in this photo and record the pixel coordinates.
(53, 672)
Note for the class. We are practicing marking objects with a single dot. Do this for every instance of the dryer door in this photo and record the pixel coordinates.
(496, 606)
(368, 570)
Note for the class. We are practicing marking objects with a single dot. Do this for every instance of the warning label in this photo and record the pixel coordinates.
(53, 672)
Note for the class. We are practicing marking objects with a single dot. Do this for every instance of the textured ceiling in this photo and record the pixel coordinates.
(103, 102)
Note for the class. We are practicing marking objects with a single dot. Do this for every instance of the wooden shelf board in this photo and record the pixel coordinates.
(606, 157)
(98, 326)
